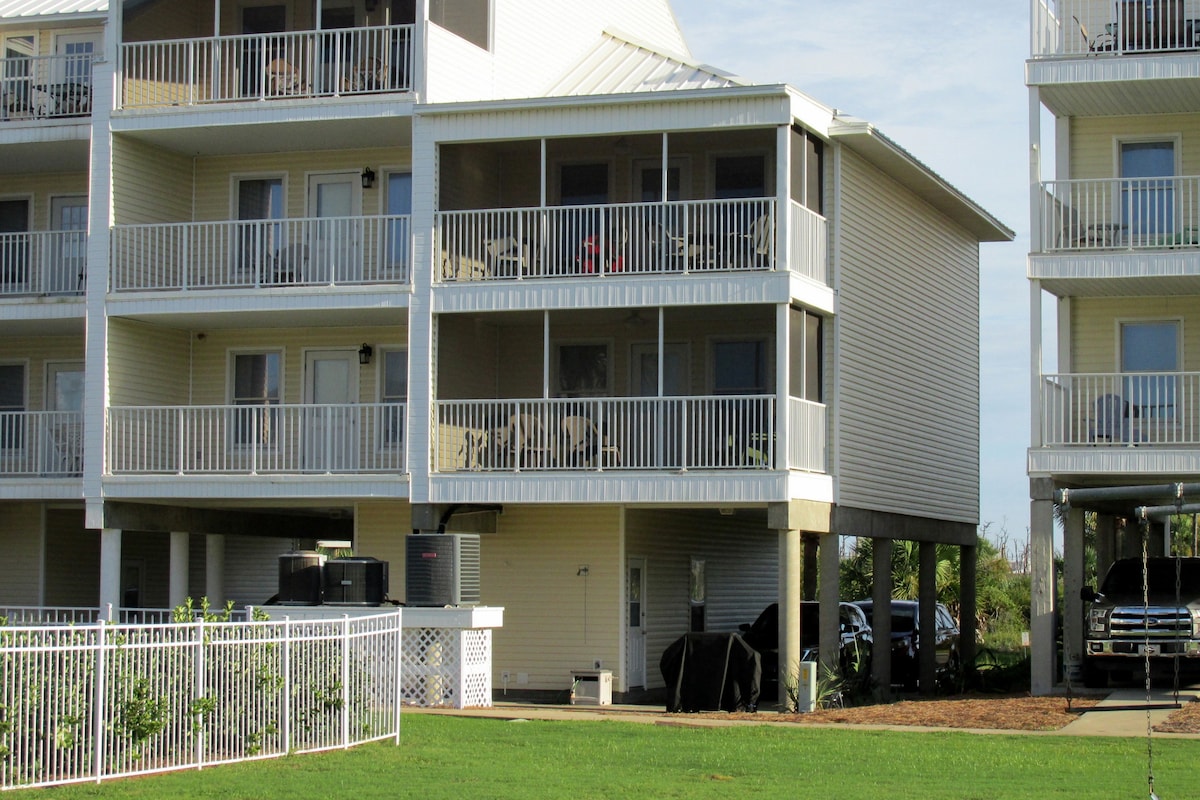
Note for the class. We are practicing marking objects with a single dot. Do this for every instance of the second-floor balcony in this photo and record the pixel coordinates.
(631, 433)
(679, 237)
(40, 444)
(303, 64)
(1101, 28)
(1121, 410)
(45, 87)
(276, 439)
(1119, 214)
(42, 263)
(321, 251)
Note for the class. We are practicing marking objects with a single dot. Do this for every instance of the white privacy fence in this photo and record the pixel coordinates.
(186, 256)
(256, 439)
(42, 262)
(718, 432)
(1142, 408)
(1119, 213)
(618, 239)
(1113, 27)
(85, 703)
(343, 61)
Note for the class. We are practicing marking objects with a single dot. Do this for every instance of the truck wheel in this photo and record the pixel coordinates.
(1093, 677)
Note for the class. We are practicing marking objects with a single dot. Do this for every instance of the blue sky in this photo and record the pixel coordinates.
(946, 81)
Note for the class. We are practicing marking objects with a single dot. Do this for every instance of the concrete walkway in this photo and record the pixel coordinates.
(1129, 718)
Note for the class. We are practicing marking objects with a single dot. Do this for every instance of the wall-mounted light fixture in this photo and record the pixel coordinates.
(364, 353)
(368, 177)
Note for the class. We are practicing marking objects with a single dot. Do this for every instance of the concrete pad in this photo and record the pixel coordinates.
(1128, 714)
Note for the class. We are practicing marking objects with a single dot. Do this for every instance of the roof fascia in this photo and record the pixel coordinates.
(866, 140)
(591, 101)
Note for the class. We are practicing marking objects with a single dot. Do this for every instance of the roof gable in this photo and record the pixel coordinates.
(617, 65)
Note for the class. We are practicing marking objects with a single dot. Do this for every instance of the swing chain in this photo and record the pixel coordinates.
(1146, 651)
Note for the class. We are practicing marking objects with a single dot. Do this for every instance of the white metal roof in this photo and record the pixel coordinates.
(24, 9)
(617, 64)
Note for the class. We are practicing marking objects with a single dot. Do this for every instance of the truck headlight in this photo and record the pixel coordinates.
(1195, 622)
(1098, 620)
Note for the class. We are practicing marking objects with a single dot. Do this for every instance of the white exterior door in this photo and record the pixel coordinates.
(65, 270)
(64, 393)
(336, 203)
(331, 424)
(635, 623)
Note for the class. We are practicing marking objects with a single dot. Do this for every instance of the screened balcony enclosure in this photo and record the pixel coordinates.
(608, 392)
(685, 203)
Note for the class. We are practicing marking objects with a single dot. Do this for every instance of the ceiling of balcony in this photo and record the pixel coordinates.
(275, 128)
(24, 154)
(1142, 274)
(1104, 86)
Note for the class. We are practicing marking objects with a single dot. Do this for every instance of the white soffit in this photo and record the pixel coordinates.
(617, 65)
(20, 10)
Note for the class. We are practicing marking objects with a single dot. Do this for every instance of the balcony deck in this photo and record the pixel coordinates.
(699, 237)
(293, 65)
(41, 444)
(261, 254)
(42, 263)
(43, 88)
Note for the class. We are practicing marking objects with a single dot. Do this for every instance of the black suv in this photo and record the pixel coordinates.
(854, 652)
(906, 641)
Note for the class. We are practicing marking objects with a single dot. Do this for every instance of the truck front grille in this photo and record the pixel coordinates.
(1157, 622)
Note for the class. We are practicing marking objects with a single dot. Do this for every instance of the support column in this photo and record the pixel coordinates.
(1106, 544)
(1041, 604)
(968, 616)
(789, 609)
(177, 582)
(927, 617)
(1072, 612)
(110, 572)
(214, 569)
(881, 617)
(830, 633)
(809, 589)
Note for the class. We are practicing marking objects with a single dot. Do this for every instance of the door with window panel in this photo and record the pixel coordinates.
(1150, 379)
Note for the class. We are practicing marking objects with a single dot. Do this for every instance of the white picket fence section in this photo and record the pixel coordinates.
(92, 702)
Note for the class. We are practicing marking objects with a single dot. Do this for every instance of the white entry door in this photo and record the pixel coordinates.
(65, 271)
(64, 393)
(635, 623)
(331, 423)
(335, 201)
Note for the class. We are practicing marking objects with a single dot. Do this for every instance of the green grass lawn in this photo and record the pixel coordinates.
(454, 758)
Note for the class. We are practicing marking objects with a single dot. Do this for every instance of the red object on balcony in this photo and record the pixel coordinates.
(592, 257)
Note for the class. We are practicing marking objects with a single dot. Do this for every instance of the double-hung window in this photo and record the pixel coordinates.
(394, 396)
(256, 384)
(1149, 363)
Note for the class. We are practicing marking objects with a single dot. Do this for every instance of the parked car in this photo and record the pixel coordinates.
(906, 642)
(854, 653)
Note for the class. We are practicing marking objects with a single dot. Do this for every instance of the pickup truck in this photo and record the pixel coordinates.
(1122, 628)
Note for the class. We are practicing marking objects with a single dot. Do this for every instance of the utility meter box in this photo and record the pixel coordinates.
(591, 687)
(806, 687)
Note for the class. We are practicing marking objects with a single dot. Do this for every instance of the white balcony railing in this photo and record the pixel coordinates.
(1119, 214)
(1101, 409)
(806, 448)
(260, 439)
(39, 87)
(41, 444)
(672, 433)
(187, 256)
(42, 262)
(1113, 27)
(809, 232)
(345, 61)
(698, 236)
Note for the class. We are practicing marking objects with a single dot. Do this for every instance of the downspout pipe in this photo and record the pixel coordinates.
(1177, 491)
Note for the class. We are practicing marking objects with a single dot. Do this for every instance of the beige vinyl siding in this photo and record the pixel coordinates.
(554, 619)
(908, 348)
(1095, 333)
(215, 195)
(470, 372)
(210, 357)
(379, 531)
(35, 352)
(152, 553)
(156, 21)
(21, 542)
(252, 566)
(147, 364)
(1093, 142)
(741, 571)
(72, 560)
(39, 188)
(150, 184)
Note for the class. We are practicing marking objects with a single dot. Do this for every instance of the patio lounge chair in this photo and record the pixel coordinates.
(581, 445)
(1110, 423)
(527, 442)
